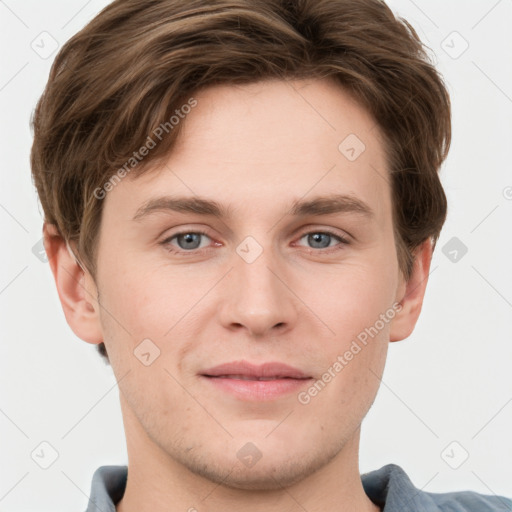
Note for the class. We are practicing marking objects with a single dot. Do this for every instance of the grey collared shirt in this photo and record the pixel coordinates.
(388, 487)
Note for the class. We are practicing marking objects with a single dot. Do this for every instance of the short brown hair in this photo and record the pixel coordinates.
(137, 61)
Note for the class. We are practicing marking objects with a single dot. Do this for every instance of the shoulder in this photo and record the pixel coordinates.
(392, 490)
(470, 501)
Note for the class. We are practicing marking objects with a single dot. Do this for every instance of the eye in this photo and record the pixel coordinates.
(323, 239)
(186, 241)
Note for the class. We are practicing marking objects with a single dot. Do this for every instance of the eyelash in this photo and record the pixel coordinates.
(343, 241)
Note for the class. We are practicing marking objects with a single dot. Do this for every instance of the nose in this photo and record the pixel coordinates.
(259, 299)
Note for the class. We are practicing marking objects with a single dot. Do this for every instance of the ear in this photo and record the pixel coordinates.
(410, 293)
(75, 286)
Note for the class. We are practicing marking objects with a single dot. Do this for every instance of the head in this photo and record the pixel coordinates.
(259, 117)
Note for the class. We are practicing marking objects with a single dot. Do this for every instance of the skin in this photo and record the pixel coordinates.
(254, 148)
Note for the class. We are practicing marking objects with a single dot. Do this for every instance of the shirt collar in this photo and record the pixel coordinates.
(391, 489)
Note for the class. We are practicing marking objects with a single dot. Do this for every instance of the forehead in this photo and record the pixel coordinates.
(287, 120)
(270, 143)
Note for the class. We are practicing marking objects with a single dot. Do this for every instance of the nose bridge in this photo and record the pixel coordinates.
(258, 299)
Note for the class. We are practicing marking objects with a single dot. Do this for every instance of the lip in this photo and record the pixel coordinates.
(263, 382)
(272, 369)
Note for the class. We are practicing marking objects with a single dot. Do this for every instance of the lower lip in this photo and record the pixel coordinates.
(258, 390)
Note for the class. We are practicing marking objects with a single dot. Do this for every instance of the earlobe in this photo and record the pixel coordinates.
(411, 294)
(75, 286)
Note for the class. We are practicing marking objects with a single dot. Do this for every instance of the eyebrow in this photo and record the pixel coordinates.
(322, 205)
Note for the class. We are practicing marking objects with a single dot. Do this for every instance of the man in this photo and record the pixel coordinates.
(241, 203)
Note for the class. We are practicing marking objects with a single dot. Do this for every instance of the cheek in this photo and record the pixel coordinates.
(358, 306)
(146, 304)
(354, 298)
(162, 307)
(352, 378)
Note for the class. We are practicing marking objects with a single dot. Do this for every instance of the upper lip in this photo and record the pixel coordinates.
(244, 368)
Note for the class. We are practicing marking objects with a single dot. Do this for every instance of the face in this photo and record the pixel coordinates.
(294, 264)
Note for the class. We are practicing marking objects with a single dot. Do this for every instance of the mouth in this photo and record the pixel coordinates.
(253, 377)
(264, 382)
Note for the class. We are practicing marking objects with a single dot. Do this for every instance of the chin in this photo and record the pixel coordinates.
(273, 470)
(271, 475)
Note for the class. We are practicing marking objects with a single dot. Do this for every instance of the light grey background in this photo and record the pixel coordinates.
(449, 382)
